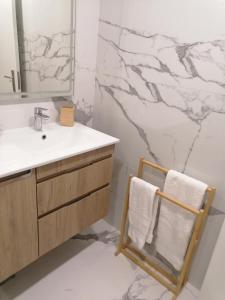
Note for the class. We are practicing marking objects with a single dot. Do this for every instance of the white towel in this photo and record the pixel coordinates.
(143, 205)
(175, 225)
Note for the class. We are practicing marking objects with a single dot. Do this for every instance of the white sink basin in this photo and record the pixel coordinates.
(24, 148)
(5, 151)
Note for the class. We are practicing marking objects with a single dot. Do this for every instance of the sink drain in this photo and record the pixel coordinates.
(44, 137)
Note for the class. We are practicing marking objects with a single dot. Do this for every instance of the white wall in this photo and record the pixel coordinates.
(214, 283)
(86, 54)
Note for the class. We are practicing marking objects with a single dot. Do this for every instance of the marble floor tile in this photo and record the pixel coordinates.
(85, 268)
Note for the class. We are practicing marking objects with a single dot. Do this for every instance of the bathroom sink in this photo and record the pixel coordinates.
(11, 157)
(24, 148)
(52, 138)
(7, 150)
(9, 154)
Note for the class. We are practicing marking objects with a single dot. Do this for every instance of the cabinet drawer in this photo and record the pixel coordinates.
(74, 162)
(66, 222)
(59, 190)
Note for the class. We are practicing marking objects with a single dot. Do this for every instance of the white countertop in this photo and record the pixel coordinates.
(23, 149)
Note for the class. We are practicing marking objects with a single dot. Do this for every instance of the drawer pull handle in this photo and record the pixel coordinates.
(21, 175)
(25, 175)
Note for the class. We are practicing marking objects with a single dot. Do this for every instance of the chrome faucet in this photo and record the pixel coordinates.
(38, 117)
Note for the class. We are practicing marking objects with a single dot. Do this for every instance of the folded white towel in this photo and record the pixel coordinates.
(143, 205)
(175, 224)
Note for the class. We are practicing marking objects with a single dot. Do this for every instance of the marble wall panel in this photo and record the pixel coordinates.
(160, 88)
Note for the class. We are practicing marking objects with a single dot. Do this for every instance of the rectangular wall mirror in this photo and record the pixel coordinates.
(37, 48)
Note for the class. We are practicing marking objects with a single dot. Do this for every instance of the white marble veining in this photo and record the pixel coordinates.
(86, 46)
(85, 268)
(160, 88)
(24, 148)
(46, 62)
(161, 71)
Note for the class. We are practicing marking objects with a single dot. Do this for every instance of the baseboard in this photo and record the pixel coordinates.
(192, 289)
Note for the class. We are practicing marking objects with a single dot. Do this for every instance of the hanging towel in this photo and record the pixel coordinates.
(175, 225)
(143, 205)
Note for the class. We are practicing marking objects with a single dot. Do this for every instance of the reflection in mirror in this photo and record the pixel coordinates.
(9, 59)
(45, 44)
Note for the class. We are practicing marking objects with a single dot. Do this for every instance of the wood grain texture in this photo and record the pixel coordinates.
(74, 162)
(59, 190)
(64, 223)
(18, 224)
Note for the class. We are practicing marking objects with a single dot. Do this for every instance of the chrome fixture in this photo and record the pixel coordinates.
(38, 117)
(12, 79)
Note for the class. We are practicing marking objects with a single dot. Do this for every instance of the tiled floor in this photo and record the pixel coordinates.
(85, 268)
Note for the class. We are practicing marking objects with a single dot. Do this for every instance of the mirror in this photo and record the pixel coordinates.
(36, 54)
(9, 60)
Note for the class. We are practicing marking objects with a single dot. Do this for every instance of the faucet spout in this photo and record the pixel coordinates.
(43, 116)
(38, 117)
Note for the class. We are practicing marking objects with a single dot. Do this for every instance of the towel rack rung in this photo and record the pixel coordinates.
(153, 264)
(141, 264)
(155, 166)
(162, 169)
(179, 203)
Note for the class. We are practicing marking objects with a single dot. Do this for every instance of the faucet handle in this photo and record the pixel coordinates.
(38, 110)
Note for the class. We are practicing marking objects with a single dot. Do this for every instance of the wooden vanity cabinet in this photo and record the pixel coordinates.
(71, 195)
(41, 209)
(18, 224)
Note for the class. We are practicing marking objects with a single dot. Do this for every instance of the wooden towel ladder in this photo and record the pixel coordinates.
(170, 281)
